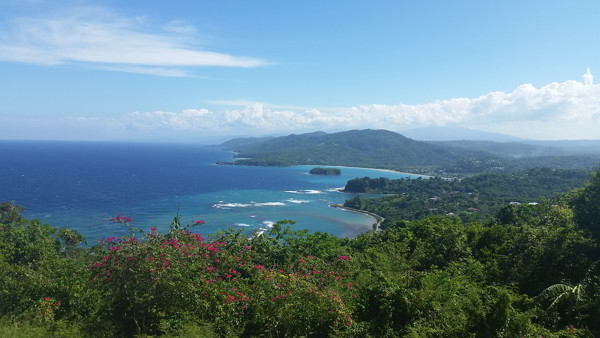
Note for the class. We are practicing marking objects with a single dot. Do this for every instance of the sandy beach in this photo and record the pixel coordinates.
(367, 168)
(378, 219)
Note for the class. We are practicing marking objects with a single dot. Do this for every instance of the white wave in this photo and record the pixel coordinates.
(268, 224)
(336, 189)
(291, 200)
(246, 205)
(231, 205)
(306, 192)
(253, 216)
(242, 224)
(268, 204)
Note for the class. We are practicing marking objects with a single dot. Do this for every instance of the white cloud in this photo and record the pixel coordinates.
(588, 78)
(100, 37)
(566, 110)
(553, 107)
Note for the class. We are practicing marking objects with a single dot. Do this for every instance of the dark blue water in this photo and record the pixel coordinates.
(82, 184)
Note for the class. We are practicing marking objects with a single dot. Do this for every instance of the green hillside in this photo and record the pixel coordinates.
(475, 197)
(372, 148)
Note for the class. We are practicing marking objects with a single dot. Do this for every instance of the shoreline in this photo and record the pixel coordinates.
(366, 168)
(321, 165)
(378, 219)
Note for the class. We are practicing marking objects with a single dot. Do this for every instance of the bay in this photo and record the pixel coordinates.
(81, 185)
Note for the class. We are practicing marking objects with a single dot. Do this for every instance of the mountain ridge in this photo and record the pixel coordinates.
(368, 147)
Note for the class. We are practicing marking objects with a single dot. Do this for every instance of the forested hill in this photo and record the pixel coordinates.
(372, 148)
(386, 149)
(475, 197)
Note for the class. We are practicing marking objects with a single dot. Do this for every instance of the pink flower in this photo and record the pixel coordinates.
(344, 258)
(121, 219)
(301, 260)
(153, 229)
(200, 222)
(114, 248)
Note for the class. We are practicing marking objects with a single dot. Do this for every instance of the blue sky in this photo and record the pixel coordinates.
(202, 71)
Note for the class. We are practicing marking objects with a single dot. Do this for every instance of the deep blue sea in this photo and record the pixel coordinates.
(81, 185)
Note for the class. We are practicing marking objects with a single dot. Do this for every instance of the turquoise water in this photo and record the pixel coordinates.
(82, 185)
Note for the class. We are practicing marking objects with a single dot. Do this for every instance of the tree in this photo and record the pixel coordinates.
(586, 204)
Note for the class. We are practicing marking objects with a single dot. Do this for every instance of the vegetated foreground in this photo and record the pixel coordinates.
(529, 270)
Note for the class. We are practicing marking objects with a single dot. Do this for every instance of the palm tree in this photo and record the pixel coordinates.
(571, 296)
(565, 294)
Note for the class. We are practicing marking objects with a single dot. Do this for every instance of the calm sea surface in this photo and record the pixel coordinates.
(81, 185)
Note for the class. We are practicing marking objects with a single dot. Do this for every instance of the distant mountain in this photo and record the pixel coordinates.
(372, 148)
(506, 149)
(584, 147)
(244, 141)
(452, 133)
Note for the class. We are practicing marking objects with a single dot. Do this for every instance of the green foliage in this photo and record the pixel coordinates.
(10, 213)
(379, 148)
(386, 149)
(529, 270)
(473, 198)
(325, 171)
(586, 205)
(161, 283)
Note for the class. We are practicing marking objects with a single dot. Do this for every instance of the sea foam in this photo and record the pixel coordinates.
(268, 224)
(295, 201)
(305, 192)
(246, 205)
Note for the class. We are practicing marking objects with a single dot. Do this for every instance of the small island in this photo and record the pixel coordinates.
(325, 171)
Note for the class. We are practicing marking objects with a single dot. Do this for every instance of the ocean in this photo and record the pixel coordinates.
(81, 185)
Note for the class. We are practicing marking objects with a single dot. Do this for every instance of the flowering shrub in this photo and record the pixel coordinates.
(157, 280)
(282, 283)
(121, 219)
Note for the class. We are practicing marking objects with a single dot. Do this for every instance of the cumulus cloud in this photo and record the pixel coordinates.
(99, 37)
(567, 110)
(569, 101)
(588, 78)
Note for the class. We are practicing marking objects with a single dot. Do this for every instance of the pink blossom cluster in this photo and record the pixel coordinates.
(121, 219)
